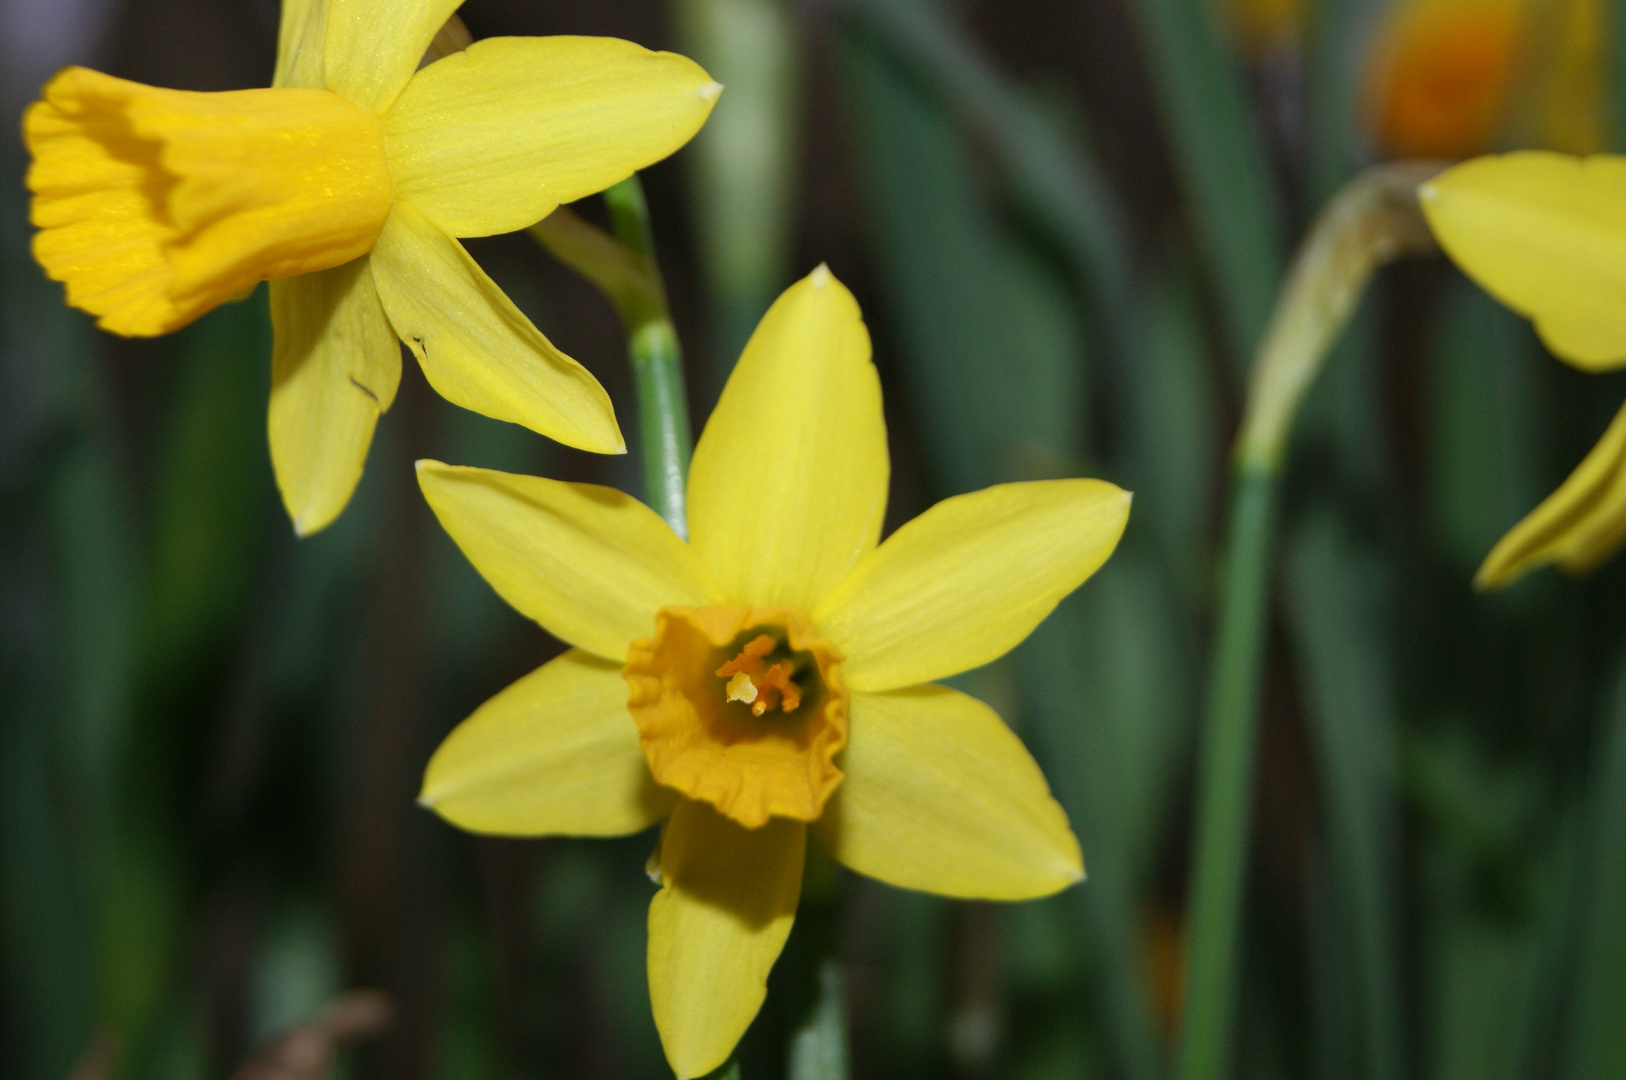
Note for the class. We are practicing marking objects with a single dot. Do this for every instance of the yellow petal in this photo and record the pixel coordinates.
(788, 485)
(476, 348)
(555, 754)
(492, 139)
(590, 564)
(941, 796)
(1545, 234)
(301, 37)
(716, 927)
(335, 365)
(1579, 526)
(374, 46)
(963, 583)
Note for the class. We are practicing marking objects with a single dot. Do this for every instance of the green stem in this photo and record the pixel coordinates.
(663, 419)
(657, 368)
(818, 1041)
(1225, 780)
(624, 269)
(1372, 220)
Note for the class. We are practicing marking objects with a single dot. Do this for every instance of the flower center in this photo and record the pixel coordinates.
(156, 205)
(742, 708)
(754, 681)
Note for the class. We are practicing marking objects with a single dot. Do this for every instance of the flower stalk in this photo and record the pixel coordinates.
(623, 267)
(1373, 220)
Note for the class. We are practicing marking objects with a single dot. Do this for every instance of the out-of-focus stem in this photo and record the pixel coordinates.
(624, 269)
(1372, 220)
(818, 1039)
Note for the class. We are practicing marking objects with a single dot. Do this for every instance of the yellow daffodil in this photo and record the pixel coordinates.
(1545, 234)
(773, 674)
(344, 185)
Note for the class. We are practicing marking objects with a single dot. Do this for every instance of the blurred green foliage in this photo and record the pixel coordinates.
(1065, 223)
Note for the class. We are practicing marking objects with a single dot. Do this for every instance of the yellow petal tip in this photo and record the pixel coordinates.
(307, 524)
(820, 277)
(711, 91)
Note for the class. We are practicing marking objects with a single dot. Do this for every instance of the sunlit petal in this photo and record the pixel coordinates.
(591, 564)
(374, 46)
(335, 365)
(476, 348)
(789, 480)
(301, 44)
(555, 754)
(491, 139)
(963, 583)
(941, 796)
(716, 927)
(1545, 234)
(1579, 526)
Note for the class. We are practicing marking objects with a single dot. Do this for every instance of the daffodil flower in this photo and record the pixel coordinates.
(1545, 234)
(774, 673)
(344, 185)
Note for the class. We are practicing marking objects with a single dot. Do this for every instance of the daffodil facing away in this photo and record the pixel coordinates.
(773, 674)
(344, 185)
(1545, 234)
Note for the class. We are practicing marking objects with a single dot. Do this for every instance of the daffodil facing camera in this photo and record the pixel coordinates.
(773, 674)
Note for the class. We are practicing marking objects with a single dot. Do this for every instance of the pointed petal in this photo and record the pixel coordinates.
(716, 928)
(1579, 526)
(374, 46)
(476, 348)
(492, 139)
(335, 365)
(555, 754)
(941, 796)
(590, 564)
(788, 485)
(301, 37)
(963, 583)
(1545, 234)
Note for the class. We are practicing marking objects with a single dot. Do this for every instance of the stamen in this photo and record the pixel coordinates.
(741, 688)
(752, 681)
(777, 678)
(750, 658)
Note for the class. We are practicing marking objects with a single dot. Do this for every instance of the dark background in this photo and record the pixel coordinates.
(1065, 222)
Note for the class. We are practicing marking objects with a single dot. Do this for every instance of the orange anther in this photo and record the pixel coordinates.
(750, 658)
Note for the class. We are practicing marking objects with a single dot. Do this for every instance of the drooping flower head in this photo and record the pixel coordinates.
(1545, 234)
(772, 674)
(344, 185)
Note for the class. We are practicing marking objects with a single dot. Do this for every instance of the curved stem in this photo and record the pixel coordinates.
(1372, 220)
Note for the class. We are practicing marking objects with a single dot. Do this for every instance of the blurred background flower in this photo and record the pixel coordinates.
(1066, 223)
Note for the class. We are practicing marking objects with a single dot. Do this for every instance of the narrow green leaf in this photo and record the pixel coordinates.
(1335, 593)
(1221, 161)
(1597, 1020)
(1486, 403)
